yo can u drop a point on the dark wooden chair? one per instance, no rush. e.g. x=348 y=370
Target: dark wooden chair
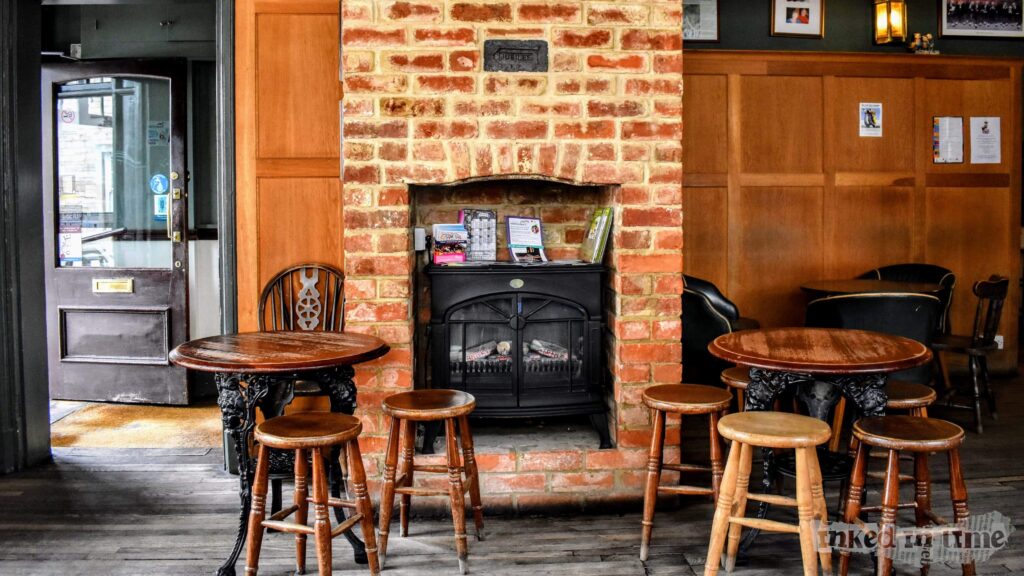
x=977 y=346
x=307 y=297
x=920 y=436
x=453 y=408
x=311 y=436
x=684 y=400
x=927 y=273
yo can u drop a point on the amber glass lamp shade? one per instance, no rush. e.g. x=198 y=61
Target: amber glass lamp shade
x=890 y=21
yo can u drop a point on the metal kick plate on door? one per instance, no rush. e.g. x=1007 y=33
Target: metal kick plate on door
x=113 y=285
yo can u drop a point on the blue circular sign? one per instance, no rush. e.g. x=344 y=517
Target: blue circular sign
x=159 y=184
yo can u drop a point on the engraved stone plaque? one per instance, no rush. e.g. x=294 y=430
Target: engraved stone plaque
x=516 y=56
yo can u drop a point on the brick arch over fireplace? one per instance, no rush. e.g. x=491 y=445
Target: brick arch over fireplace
x=419 y=109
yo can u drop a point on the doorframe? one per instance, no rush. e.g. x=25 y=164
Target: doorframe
x=226 y=164
x=24 y=384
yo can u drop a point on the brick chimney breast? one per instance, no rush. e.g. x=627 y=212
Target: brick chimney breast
x=420 y=109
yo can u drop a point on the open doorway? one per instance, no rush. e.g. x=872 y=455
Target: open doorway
x=130 y=187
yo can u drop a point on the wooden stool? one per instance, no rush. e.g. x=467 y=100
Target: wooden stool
x=684 y=399
x=313 y=435
x=406 y=409
x=737 y=378
x=769 y=430
x=913 y=434
x=900 y=395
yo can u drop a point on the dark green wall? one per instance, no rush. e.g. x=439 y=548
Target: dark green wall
x=746 y=25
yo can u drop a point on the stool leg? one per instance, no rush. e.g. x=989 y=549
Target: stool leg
x=322 y=519
x=257 y=511
x=653 y=480
x=739 y=505
x=837 y=424
x=720 y=525
x=852 y=502
x=363 y=504
x=820 y=512
x=740 y=402
x=958 y=493
x=922 y=489
x=387 y=491
x=887 y=523
x=456 y=493
x=972 y=366
x=716 y=455
x=472 y=475
x=989 y=395
x=805 y=458
x=302 y=508
x=408 y=452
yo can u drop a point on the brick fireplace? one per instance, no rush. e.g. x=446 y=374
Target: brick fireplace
x=421 y=113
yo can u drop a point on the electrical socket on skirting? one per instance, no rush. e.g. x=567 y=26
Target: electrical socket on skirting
x=999 y=341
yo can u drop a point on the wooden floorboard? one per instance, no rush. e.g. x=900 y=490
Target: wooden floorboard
x=173 y=512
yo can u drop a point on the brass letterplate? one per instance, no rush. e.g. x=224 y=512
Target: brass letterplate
x=113 y=285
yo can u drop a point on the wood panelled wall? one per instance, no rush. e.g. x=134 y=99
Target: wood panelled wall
x=780 y=189
x=288 y=141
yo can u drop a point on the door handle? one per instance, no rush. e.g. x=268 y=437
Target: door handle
x=172 y=234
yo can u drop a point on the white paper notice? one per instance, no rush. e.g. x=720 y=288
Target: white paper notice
x=986 y=142
x=947 y=140
x=870 y=119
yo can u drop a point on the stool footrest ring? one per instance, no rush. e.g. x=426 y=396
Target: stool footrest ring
x=763 y=524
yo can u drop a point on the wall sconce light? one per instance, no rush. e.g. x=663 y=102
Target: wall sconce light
x=890 y=21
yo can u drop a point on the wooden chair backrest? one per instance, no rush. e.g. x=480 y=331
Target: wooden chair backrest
x=991 y=294
x=307 y=297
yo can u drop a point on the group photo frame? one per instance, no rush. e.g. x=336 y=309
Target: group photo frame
x=798 y=18
x=981 y=18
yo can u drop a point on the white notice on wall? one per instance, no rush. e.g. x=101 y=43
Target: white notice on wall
x=986 y=140
x=871 y=119
x=947 y=140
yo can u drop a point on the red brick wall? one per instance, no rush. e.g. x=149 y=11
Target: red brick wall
x=419 y=109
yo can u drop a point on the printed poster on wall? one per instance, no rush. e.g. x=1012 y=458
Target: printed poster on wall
x=986 y=140
x=947 y=140
x=870 y=119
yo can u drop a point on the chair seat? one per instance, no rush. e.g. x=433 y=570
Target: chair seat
x=736 y=377
x=308 y=430
x=774 y=429
x=911 y=433
x=428 y=405
x=961 y=345
x=903 y=395
x=687 y=398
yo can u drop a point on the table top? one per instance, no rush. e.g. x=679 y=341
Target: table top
x=868 y=285
x=820 y=350
x=276 y=352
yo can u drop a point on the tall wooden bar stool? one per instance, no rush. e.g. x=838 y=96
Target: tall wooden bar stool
x=737 y=378
x=685 y=400
x=920 y=436
x=312 y=435
x=406 y=409
x=769 y=430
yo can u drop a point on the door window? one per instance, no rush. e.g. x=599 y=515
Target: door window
x=113 y=175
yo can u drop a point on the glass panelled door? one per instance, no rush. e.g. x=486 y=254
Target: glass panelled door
x=116 y=189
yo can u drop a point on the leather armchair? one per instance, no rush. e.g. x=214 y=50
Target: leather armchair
x=917 y=272
x=707 y=314
x=913 y=316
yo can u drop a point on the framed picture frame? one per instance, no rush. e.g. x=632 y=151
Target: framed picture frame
x=973 y=19
x=798 y=18
x=700 y=21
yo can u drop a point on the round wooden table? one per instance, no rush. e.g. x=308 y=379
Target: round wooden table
x=259 y=369
x=823 y=288
x=822 y=364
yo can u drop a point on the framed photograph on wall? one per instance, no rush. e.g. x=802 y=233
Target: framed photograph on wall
x=971 y=18
x=799 y=18
x=700 y=20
